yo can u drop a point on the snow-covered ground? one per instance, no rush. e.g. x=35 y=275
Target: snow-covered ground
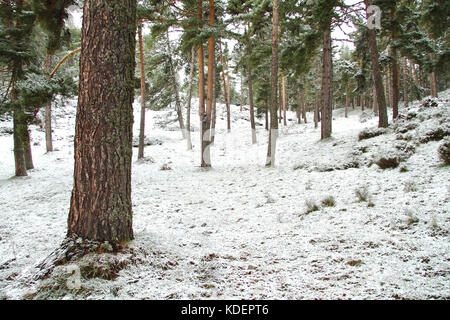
x=240 y=230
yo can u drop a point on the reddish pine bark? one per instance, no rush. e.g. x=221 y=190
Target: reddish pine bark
x=100 y=207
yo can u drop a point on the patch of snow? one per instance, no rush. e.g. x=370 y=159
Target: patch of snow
x=239 y=230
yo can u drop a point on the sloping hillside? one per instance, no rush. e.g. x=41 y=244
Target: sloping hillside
x=326 y=223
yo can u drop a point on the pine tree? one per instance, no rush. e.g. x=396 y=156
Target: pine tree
x=381 y=100
x=252 y=15
x=51 y=16
x=325 y=13
x=273 y=133
x=16 y=52
x=29 y=87
x=143 y=109
x=174 y=83
x=189 y=99
x=100 y=207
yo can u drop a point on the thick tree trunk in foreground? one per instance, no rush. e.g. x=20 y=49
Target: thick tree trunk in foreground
x=100 y=207
x=327 y=83
x=381 y=100
x=142 y=123
x=273 y=133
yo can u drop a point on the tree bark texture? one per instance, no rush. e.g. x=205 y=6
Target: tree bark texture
x=100 y=207
x=327 y=85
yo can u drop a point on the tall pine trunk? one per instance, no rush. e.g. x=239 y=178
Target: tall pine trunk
x=100 y=207
x=225 y=90
x=19 y=116
x=280 y=94
x=433 y=84
x=206 y=142
x=250 y=90
x=327 y=83
x=228 y=99
x=381 y=100
x=142 y=121
x=214 y=104
x=273 y=133
x=201 y=93
x=316 y=109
